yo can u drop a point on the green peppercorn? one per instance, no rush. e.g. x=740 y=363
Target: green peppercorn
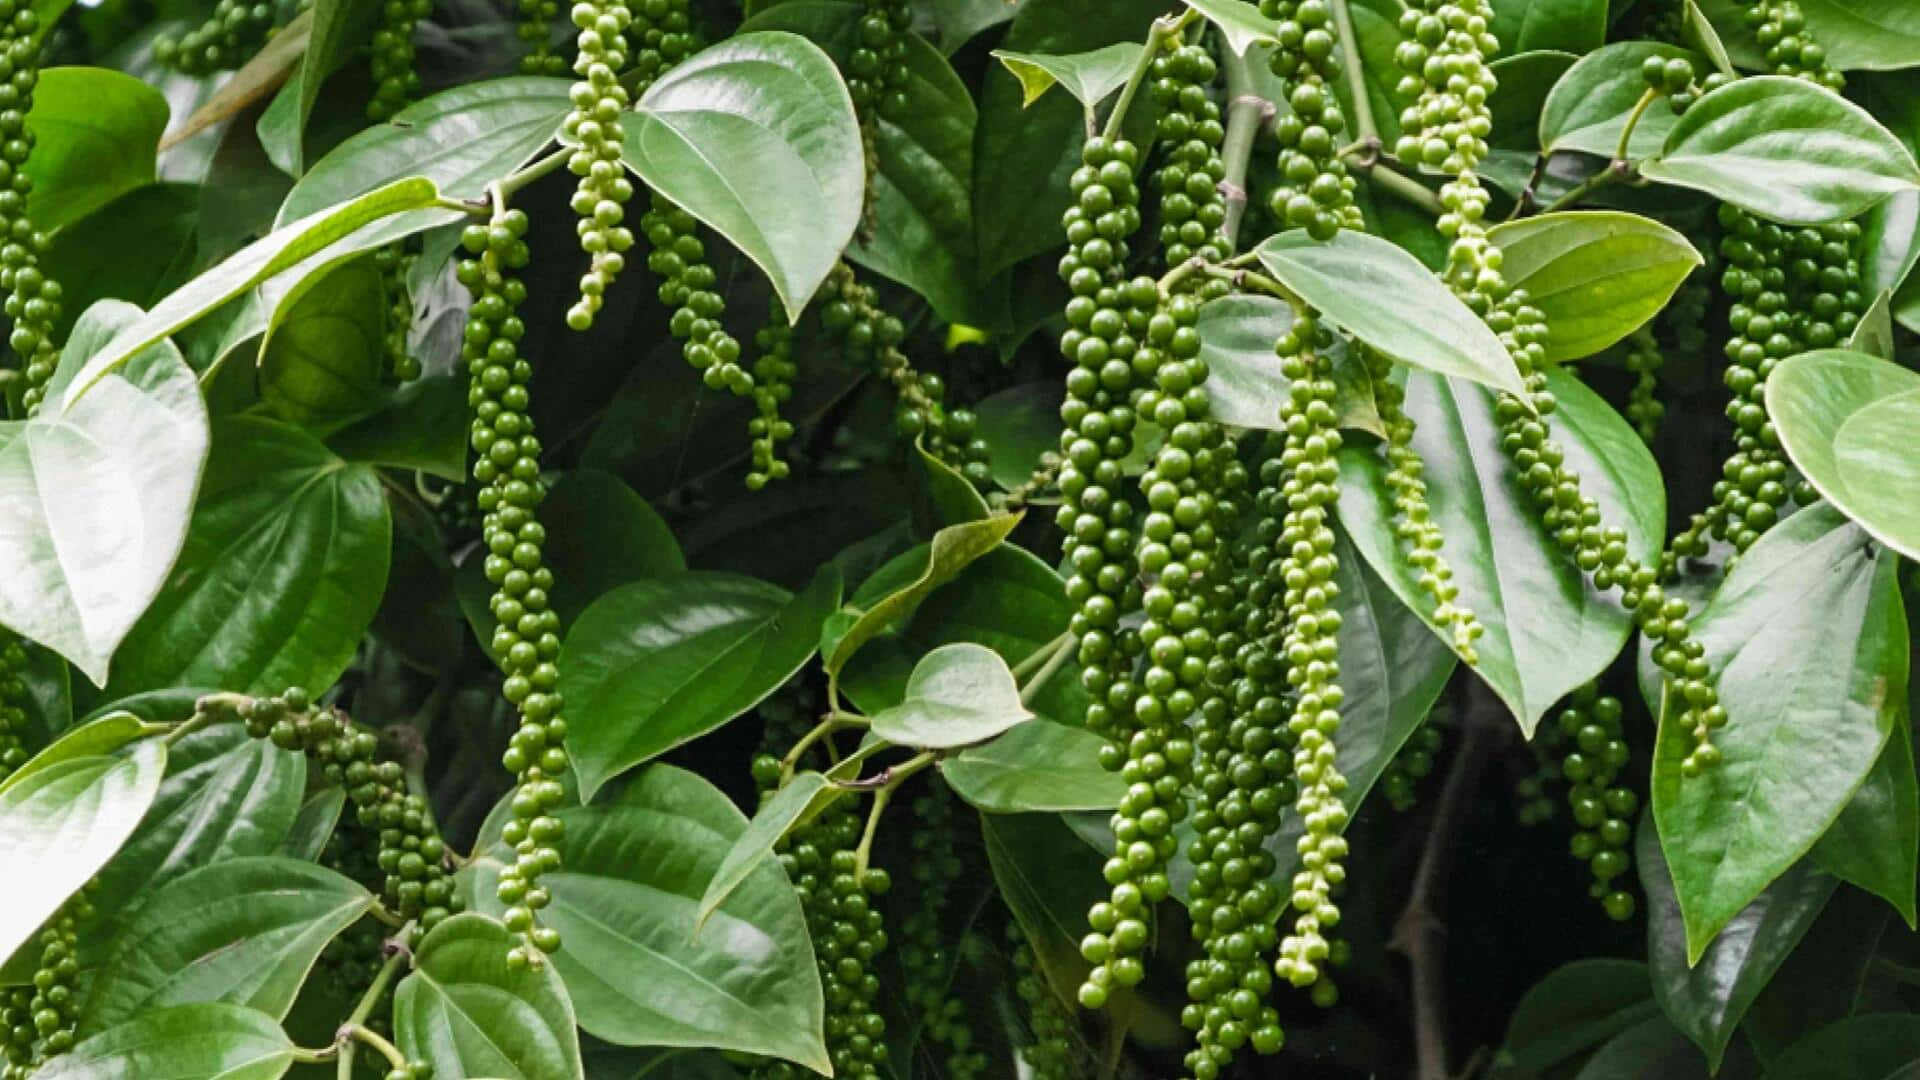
x=1051 y=1050
x=593 y=127
x=773 y=373
x=662 y=36
x=229 y=38
x=1602 y=807
x=394 y=263
x=1410 y=765
x=13 y=701
x=395 y=82
x=1644 y=361
x=535 y=30
x=33 y=298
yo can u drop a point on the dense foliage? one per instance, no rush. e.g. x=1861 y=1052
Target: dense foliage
x=1120 y=439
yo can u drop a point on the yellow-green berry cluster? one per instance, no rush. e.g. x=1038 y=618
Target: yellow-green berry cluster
x=1443 y=53
x=679 y=259
x=1192 y=206
x=1050 y=1050
x=535 y=30
x=1780 y=29
x=593 y=127
x=1644 y=361
x=1314 y=191
x=228 y=39
x=13 y=701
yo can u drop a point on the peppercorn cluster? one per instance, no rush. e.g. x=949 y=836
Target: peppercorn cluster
x=593 y=128
x=395 y=82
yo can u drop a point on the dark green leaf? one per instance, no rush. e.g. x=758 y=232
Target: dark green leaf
x=105 y=484
x=951 y=550
x=186 y=1042
x=801 y=798
x=1571 y=1012
x=1038 y=766
x=601 y=535
x=244 y=931
x=1877 y=35
x=626 y=905
x=465 y=1012
x=1383 y=296
x=313 y=825
x=325 y=351
x=662 y=661
x=1651 y=1050
x=95 y=135
x=1517 y=102
x=1845 y=419
x=1808 y=643
x=1244 y=383
x=1547 y=630
x=1573 y=25
x=281 y=574
x=1020 y=424
x=1786 y=150
x=1825 y=978
x=1588 y=108
x=1089 y=76
x=1874 y=1045
x=136 y=248
x=1598 y=275
x=339 y=28
x=423 y=426
x=958 y=695
x=1875 y=842
x=756 y=137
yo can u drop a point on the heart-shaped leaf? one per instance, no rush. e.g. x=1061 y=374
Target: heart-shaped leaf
x=244 y=931
x=661 y=661
x=1588 y=107
x=1574 y=25
x=465 y=1012
x=184 y=1042
x=1786 y=150
x=1845 y=419
x=96 y=132
x=1378 y=293
x=958 y=695
x=1547 y=630
x=1042 y=766
x=1088 y=76
x=97 y=495
x=757 y=138
x=625 y=904
x=1808 y=643
x=1597 y=275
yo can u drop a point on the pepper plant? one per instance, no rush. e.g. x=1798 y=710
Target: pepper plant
x=1119 y=440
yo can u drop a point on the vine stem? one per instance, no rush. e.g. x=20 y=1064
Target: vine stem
x=374 y=1039
x=1165 y=28
x=1363 y=124
x=832 y=722
x=1647 y=98
x=1616 y=172
x=1247 y=113
x=1054 y=662
x=364 y=1007
x=1418 y=934
x=890 y=780
x=534 y=170
x=1040 y=657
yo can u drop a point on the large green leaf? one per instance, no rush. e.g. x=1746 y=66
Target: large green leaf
x=1571 y=1012
x=465 y=1012
x=1877 y=35
x=284 y=248
x=1875 y=842
x=1091 y=77
x=1547 y=630
x=1786 y=150
x=64 y=820
x=281 y=575
x=1380 y=294
x=96 y=133
x=1597 y=275
x=958 y=695
x=1846 y=419
x=1587 y=109
x=97 y=495
x=205 y=1041
x=1038 y=766
x=661 y=661
x=757 y=138
x=323 y=356
x=1706 y=994
x=136 y=248
x=1244 y=383
x=951 y=550
x=625 y=904
x=1573 y=25
x=244 y=931
x=1808 y=643
x=1525 y=80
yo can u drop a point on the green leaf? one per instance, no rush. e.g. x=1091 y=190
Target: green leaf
x=206 y=1041
x=1876 y=1044
x=1598 y=275
x=1824 y=979
x=958 y=695
x=1038 y=766
x=1244 y=383
x=662 y=661
x=279 y=250
x=1875 y=842
x=1873 y=335
x=1525 y=81
x=1571 y=1012
x=465 y=1012
x=1706 y=994
x=424 y=427
x=1089 y=76
x=340 y=27
x=1891 y=235
x=1588 y=108
x=224 y=795
x=1872 y=35
x=1651 y=1050
x=1386 y=298
x=96 y=133
x=951 y=550
x=1808 y=644
x=313 y=825
x=1576 y=26
x=64 y=820
x=600 y=536
x=98 y=494
x=801 y=799
x=244 y=931
x=1547 y=630
x=757 y=138
x=1845 y=419
x=625 y=903
x=324 y=354
x=282 y=571
x=1698 y=32
x=1786 y=150
x=1242 y=26
x=136 y=248
x=94 y=737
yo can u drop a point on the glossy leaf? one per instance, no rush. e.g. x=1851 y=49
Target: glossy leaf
x=1547 y=630
x=662 y=661
x=423 y=426
x=1525 y=80
x=1090 y=76
x=323 y=357
x=1808 y=644
x=1242 y=26
x=465 y=1012
x=1844 y=419
x=756 y=137
x=281 y=574
x=186 y=1042
x=96 y=132
x=94 y=736
x=1786 y=150
x=1597 y=275
x=798 y=800
x=1588 y=107
x=1698 y=32
x=1573 y=25
x=282 y=249
x=1041 y=766
x=1383 y=296
x=958 y=695
x=97 y=495
x=951 y=550
x=244 y=931
x=1875 y=842
x=600 y=535
x=339 y=26
x=1706 y=994
x=625 y=904
x=65 y=820
x=1244 y=383
x=137 y=248
x=1875 y=35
